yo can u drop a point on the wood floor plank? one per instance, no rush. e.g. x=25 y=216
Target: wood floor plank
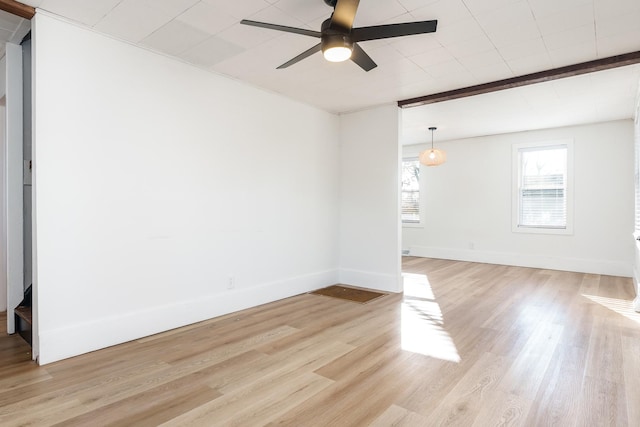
x=97 y=392
x=603 y=403
x=29 y=376
x=377 y=352
x=463 y=403
x=399 y=417
x=425 y=396
x=467 y=344
x=345 y=398
x=307 y=356
x=556 y=403
x=604 y=360
x=528 y=369
x=258 y=398
x=149 y=408
x=503 y=409
x=631 y=368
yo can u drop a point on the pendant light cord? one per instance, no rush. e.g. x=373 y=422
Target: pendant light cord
x=432 y=129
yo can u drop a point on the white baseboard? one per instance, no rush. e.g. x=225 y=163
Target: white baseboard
x=606 y=267
x=84 y=337
x=367 y=279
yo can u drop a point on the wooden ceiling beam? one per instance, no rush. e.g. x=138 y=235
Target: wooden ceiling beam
x=17 y=8
x=528 y=79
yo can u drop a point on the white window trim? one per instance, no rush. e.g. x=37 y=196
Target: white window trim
x=420 y=223
x=515 y=164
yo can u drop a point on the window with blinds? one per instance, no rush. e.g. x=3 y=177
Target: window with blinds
x=411 y=191
x=542 y=188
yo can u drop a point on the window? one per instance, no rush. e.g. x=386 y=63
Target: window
x=542 y=178
x=410 y=191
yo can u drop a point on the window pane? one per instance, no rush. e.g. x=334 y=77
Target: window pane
x=411 y=191
x=542 y=192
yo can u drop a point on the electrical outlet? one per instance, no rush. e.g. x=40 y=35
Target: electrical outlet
x=231 y=283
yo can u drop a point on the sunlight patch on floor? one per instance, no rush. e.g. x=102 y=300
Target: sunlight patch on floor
x=620 y=306
x=422 y=322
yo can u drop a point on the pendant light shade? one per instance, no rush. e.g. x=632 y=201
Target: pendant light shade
x=433 y=156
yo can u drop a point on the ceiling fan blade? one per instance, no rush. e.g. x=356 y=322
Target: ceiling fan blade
x=284 y=28
x=344 y=14
x=305 y=54
x=361 y=58
x=393 y=30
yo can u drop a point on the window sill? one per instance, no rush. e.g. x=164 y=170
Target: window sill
x=541 y=230
x=412 y=225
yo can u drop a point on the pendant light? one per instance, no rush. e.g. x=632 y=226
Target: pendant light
x=433 y=157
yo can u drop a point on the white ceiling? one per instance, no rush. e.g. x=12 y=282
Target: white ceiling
x=477 y=41
x=589 y=98
x=12 y=29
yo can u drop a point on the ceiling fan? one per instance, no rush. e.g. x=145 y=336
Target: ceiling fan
x=339 y=40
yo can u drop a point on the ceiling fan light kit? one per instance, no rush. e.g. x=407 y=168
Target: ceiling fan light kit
x=433 y=156
x=336 y=48
x=338 y=38
x=337 y=53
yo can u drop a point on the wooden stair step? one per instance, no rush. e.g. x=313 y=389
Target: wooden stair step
x=24 y=313
x=24 y=321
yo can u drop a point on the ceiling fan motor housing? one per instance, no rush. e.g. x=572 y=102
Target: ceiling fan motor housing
x=335 y=36
x=336 y=40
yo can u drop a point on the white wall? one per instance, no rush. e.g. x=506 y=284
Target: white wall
x=27 y=137
x=467 y=203
x=13 y=175
x=636 y=259
x=156 y=181
x=3 y=156
x=369 y=199
x=3 y=238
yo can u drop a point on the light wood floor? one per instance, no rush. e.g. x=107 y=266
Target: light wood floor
x=469 y=344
